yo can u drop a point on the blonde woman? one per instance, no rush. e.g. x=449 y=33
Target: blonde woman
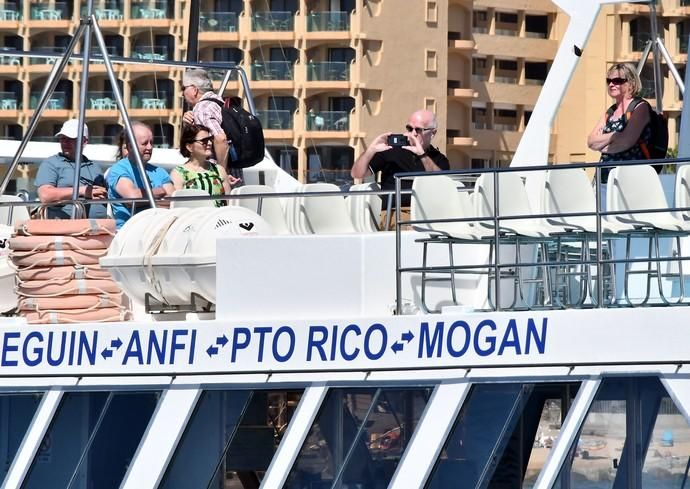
x=623 y=131
x=198 y=172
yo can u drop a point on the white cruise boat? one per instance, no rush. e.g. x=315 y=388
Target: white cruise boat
x=517 y=337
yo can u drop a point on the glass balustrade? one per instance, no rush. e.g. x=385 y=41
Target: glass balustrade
x=49 y=11
x=275 y=119
x=218 y=22
x=101 y=101
x=272 y=70
x=9 y=101
x=57 y=101
x=328 y=71
x=270 y=20
x=149 y=99
x=337 y=120
x=150 y=53
x=150 y=10
x=328 y=21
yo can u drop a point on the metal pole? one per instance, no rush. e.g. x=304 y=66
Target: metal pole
x=83 y=88
x=398 y=244
x=193 y=39
x=51 y=83
x=123 y=111
x=655 y=50
x=671 y=66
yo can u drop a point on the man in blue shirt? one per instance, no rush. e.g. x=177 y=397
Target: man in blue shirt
x=125 y=181
x=55 y=177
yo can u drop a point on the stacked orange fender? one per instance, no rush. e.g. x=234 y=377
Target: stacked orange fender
x=58 y=276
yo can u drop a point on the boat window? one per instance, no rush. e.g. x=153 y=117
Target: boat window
x=91 y=440
x=16 y=413
x=230 y=439
x=358 y=438
x=634 y=436
x=503 y=435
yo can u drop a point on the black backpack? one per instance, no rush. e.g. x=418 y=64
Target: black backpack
x=658 y=141
x=245 y=131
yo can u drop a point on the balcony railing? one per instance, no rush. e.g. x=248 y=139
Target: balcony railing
x=9 y=101
x=275 y=119
x=10 y=60
x=337 y=120
x=101 y=101
x=328 y=21
x=46 y=50
x=149 y=99
x=103 y=11
x=269 y=20
x=150 y=10
x=272 y=70
x=10 y=11
x=57 y=101
x=151 y=53
x=639 y=40
x=218 y=22
x=683 y=44
x=44 y=11
x=328 y=71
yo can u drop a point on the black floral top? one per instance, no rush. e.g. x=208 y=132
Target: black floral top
x=632 y=153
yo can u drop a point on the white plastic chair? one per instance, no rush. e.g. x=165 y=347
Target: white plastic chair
x=11 y=214
x=637 y=187
x=436 y=197
x=270 y=208
x=326 y=214
x=365 y=210
x=191 y=192
x=683 y=191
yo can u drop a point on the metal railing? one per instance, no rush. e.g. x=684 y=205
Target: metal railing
x=328 y=71
x=272 y=70
x=218 y=22
x=337 y=120
x=328 y=21
x=275 y=119
x=270 y=20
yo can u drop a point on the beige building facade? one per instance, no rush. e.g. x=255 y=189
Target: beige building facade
x=328 y=76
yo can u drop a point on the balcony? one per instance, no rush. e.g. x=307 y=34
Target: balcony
x=272 y=70
x=150 y=100
x=150 y=53
x=149 y=10
x=10 y=60
x=101 y=101
x=328 y=71
x=218 y=22
x=639 y=40
x=10 y=12
x=57 y=101
x=47 y=50
x=58 y=11
x=9 y=101
x=104 y=11
x=273 y=21
x=279 y=120
x=328 y=21
x=337 y=120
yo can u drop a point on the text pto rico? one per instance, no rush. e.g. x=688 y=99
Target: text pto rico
x=314 y=343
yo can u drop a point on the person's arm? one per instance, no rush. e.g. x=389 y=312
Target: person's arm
x=597 y=140
x=361 y=166
x=227 y=182
x=178 y=181
x=221 y=149
x=630 y=135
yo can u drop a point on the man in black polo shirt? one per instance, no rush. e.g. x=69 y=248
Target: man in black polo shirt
x=419 y=156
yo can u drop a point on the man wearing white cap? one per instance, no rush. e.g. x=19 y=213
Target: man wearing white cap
x=55 y=177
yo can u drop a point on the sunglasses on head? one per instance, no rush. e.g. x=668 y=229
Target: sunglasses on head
x=616 y=81
x=417 y=130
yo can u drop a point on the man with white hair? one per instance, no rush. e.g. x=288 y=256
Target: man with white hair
x=55 y=177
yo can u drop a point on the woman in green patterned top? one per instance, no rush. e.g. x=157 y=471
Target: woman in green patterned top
x=198 y=172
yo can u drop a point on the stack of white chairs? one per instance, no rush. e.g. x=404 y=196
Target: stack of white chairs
x=365 y=210
x=635 y=193
x=269 y=208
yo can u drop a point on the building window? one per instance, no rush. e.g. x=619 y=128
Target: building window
x=430 y=60
x=480 y=22
x=506 y=18
x=431 y=11
x=479 y=118
x=430 y=104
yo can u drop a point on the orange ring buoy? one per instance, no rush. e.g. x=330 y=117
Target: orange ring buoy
x=56 y=258
x=39 y=288
x=63 y=273
x=79 y=316
x=66 y=227
x=44 y=243
x=69 y=302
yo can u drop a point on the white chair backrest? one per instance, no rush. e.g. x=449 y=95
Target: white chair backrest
x=271 y=208
x=633 y=187
x=326 y=214
x=365 y=210
x=512 y=198
x=437 y=197
x=682 y=198
x=10 y=215
x=569 y=191
x=191 y=192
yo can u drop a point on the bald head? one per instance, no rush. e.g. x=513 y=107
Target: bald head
x=423 y=118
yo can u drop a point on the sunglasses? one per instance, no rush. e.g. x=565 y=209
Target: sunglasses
x=417 y=130
x=616 y=81
x=204 y=141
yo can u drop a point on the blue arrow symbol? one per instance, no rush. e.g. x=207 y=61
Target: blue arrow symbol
x=222 y=340
x=106 y=353
x=116 y=343
x=407 y=337
x=212 y=350
x=397 y=346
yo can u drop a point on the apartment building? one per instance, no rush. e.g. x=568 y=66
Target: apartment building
x=327 y=76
